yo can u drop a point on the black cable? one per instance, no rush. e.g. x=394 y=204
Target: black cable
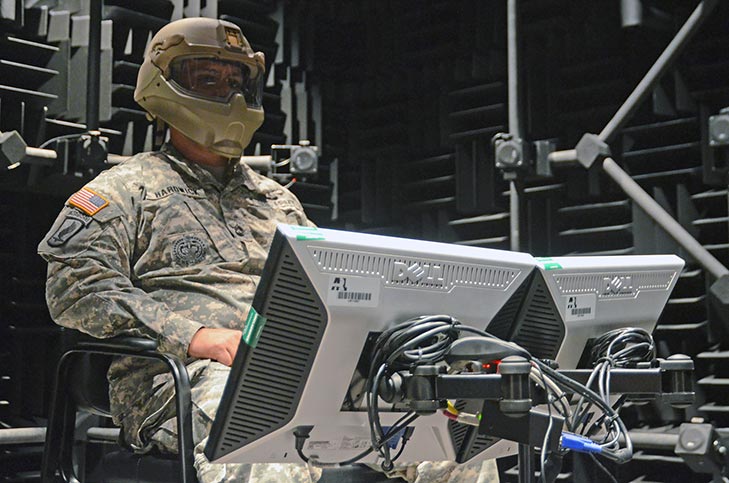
x=425 y=340
x=603 y=468
x=545 y=441
x=400 y=425
x=625 y=347
x=596 y=425
x=405 y=438
x=618 y=455
x=421 y=340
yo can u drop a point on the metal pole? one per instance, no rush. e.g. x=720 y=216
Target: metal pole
x=515 y=234
x=22 y=436
x=652 y=440
x=568 y=156
x=666 y=59
x=666 y=221
x=526 y=471
x=94 y=66
x=512 y=20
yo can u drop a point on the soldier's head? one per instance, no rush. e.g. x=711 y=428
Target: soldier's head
x=201 y=77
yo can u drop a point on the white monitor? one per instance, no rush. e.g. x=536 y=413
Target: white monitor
x=326 y=294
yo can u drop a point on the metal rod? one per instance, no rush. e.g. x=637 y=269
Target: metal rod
x=653 y=440
x=183 y=405
x=664 y=61
x=512 y=24
x=94 y=66
x=512 y=20
x=22 y=435
x=563 y=157
x=262 y=162
x=515 y=233
x=526 y=472
x=40 y=153
x=666 y=221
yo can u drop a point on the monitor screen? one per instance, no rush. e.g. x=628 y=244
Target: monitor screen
x=325 y=295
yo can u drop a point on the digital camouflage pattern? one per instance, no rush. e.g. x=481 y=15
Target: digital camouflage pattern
x=175 y=250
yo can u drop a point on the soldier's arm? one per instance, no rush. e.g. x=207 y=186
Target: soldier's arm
x=89 y=286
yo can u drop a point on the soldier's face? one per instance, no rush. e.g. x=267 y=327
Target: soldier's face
x=211 y=78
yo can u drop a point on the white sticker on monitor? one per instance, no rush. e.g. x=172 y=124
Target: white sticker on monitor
x=580 y=307
x=318 y=445
x=355 y=442
x=346 y=290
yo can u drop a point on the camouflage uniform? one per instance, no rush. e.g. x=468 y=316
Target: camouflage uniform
x=160 y=250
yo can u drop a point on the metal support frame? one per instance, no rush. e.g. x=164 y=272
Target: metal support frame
x=664 y=219
x=702 y=447
x=94 y=63
x=661 y=65
x=626 y=110
x=515 y=125
x=508 y=403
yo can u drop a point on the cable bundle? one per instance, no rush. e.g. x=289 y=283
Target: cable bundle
x=620 y=348
x=426 y=340
x=418 y=341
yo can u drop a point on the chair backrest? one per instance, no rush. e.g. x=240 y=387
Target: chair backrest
x=88 y=384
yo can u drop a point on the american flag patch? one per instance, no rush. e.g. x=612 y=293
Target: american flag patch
x=88 y=201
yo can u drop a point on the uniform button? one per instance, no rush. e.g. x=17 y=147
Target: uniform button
x=239 y=231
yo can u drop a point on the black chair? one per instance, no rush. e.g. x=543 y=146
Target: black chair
x=81 y=385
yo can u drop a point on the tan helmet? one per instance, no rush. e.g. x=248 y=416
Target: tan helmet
x=201 y=76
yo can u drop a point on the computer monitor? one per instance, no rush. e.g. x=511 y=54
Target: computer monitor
x=325 y=295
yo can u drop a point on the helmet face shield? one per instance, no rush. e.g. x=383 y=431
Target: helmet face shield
x=217 y=80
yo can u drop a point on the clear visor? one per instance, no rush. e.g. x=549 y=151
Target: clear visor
x=217 y=80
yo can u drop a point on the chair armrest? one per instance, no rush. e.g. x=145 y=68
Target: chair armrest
x=124 y=344
x=120 y=346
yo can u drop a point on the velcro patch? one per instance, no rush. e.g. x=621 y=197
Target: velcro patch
x=72 y=224
x=88 y=201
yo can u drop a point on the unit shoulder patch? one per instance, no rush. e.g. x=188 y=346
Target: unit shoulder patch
x=88 y=201
x=71 y=224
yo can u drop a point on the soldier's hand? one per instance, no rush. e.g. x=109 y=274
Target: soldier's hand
x=217 y=344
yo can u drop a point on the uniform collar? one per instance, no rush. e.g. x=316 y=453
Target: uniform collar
x=239 y=173
x=189 y=167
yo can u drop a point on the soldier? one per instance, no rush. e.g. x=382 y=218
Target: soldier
x=170 y=244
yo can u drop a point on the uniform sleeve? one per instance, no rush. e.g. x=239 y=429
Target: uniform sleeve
x=299 y=214
x=89 y=286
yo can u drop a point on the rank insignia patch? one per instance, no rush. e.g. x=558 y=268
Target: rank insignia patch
x=88 y=201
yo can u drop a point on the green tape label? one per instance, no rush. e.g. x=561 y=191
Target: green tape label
x=309 y=237
x=549 y=264
x=253 y=328
x=307 y=232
